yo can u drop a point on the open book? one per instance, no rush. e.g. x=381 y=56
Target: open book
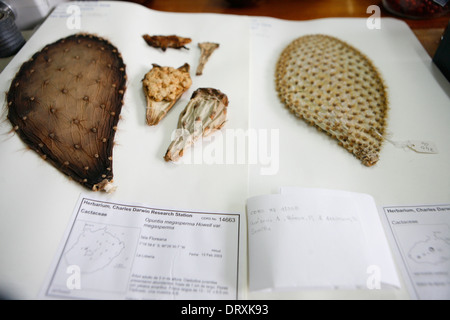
x=261 y=148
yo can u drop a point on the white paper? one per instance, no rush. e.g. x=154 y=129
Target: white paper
x=126 y=251
x=418 y=109
x=421 y=236
x=140 y=172
x=37 y=200
x=315 y=238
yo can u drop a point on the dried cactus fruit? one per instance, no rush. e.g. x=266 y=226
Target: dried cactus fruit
x=336 y=88
x=163 y=86
x=205 y=113
x=165 y=42
x=207 y=48
x=65 y=103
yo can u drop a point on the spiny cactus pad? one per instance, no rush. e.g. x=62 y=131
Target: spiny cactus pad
x=334 y=87
x=65 y=103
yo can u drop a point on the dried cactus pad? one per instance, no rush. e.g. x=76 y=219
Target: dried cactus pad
x=205 y=113
x=207 y=49
x=163 y=87
x=165 y=42
x=65 y=103
x=334 y=87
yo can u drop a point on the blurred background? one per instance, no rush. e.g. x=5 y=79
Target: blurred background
x=427 y=18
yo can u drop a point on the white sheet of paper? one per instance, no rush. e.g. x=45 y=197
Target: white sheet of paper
x=117 y=250
x=418 y=94
x=243 y=68
x=315 y=238
x=140 y=172
x=421 y=236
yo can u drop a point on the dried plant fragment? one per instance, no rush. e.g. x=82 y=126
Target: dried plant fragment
x=65 y=103
x=165 y=42
x=163 y=86
x=207 y=48
x=334 y=87
x=205 y=113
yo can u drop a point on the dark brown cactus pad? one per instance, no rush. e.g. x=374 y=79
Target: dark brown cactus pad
x=165 y=42
x=65 y=104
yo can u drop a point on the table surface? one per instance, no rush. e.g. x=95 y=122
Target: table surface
x=428 y=31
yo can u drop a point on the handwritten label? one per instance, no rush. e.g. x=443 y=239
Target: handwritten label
x=260 y=28
x=316 y=238
x=423 y=146
x=419 y=146
x=263 y=219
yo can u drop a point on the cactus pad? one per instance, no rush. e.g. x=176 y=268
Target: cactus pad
x=334 y=87
x=163 y=87
x=205 y=113
x=65 y=103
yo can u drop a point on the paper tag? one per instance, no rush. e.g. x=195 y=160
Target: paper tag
x=422 y=146
x=418 y=146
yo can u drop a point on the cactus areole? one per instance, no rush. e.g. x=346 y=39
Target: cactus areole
x=65 y=103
